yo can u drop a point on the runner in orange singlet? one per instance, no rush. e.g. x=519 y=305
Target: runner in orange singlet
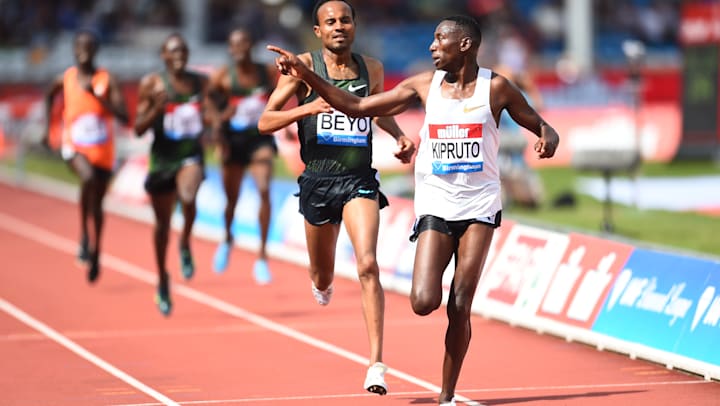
x=92 y=97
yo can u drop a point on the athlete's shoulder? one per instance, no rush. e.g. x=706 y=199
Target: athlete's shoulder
x=497 y=73
x=220 y=77
x=70 y=72
x=418 y=84
x=149 y=77
x=424 y=77
x=499 y=81
x=151 y=80
x=221 y=71
x=197 y=74
x=104 y=74
x=306 y=58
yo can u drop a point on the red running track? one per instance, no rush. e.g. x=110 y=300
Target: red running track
x=231 y=342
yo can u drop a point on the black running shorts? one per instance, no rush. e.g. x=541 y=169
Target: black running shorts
x=242 y=148
x=322 y=197
x=454 y=228
x=98 y=172
x=161 y=181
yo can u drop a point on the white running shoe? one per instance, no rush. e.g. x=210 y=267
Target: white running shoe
x=451 y=402
x=322 y=296
x=375 y=379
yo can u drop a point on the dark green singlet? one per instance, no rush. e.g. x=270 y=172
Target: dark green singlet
x=169 y=152
x=237 y=91
x=351 y=150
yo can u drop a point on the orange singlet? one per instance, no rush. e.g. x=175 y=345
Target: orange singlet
x=87 y=124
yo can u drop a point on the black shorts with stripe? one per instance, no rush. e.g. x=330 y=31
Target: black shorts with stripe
x=455 y=228
x=322 y=197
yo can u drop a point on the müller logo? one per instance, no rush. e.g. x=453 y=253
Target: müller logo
x=455 y=131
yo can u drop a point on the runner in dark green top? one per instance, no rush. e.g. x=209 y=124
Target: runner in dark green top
x=239 y=91
x=339 y=184
x=171 y=104
x=332 y=143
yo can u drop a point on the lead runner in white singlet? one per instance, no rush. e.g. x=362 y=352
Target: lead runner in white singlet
x=456 y=173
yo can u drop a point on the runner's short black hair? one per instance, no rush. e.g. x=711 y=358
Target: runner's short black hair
x=321 y=2
x=90 y=33
x=175 y=34
x=469 y=25
x=245 y=29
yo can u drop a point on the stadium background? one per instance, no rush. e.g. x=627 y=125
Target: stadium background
x=35 y=36
x=573 y=49
x=596 y=87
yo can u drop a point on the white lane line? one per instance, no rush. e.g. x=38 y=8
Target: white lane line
x=418 y=393
x=225 y=328
x=274 y=400
x=52 y=240
x=589 y=386
x=13 y=311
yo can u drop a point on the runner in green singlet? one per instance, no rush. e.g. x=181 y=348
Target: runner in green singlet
x=339 y=184
x=171 y=104
x=239 y=91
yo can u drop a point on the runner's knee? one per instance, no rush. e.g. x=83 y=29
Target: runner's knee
x=162 y=230
x=187 y=193
x=367 y=267
x=264 y=194
x=424 y=303
x=460 y=304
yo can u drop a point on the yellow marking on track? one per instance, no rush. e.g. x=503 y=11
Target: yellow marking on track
x=658 y=372
x=116 y=391
x=641 y=368
x=186 y=390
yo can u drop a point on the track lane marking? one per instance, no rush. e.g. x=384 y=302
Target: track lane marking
x=420 y=393
x=170 y=331
x=60 y=243
x=80 y=351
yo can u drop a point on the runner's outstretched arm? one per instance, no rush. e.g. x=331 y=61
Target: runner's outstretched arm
x=387 y=103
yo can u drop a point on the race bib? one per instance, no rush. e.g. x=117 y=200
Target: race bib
x=88 y=129
x=247 y=111
x=182 y=120
x=456 y=148
x=337 y=128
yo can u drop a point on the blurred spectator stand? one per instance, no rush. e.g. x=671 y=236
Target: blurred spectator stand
x=701 y=82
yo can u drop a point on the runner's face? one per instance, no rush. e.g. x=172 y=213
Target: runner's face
x=336 y=27
x=175 y=54
x=84 y=49
x=445 y=48
x=239 y=46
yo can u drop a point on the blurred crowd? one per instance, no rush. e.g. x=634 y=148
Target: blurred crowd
x=37 y=23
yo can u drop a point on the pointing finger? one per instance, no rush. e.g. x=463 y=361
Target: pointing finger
x=277 y=50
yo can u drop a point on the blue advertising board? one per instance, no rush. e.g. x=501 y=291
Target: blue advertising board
x=667 y=302
x=211 y=205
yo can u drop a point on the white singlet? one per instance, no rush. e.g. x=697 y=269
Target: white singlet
x=456 y=172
